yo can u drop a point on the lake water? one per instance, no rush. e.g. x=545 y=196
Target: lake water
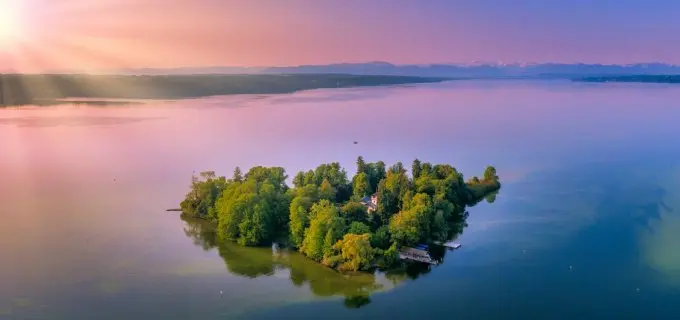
x=587 y=224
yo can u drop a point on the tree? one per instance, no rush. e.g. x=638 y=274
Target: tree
x=256 y=225
x=326 y=191
x=397 y=168
x=381 y=238
x=387 y=203
x=205 y=190
x=299 y=180
x=425 y=184
x=391 y=191
x=299 y=219
x=332 y=172
x=324 y=230
x=361 y=165
x=357 y=227
x=375 y=173
x=356 y=251
x=361 y=186
x=253 y=211
x=354 y=211
x=425 y=169
x=416 y=169
x=411 y=226
x=491 y=198
x=309 y=177
x=207 y=175
x=380 y=172
x=232 y=208
x=238 y=176
x=439 y=227
x=490 y=174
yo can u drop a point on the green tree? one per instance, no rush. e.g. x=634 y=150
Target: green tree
x=332 y=172
x=238 y=175
x=309 y=177
x=357 y=227
x=490 y=174
x=299 y=180
x=356 y=251
x=254 y=211
x=361 y=165
x=299 y=219
x=323 y=229
x=411 y=226
x=232 y=208
x=416 y=169
x=362 y=186
x=375 y=172
x=205 y=190
x=326 y=190
x=439 y=227
x=354 y=211
x=425 y=169
x=391 y=191
x=381 y=238
x=387 y=203
x=256 y=225
x=397 y=168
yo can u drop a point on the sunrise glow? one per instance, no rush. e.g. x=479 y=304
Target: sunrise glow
x=12 y=15
x=45 y=35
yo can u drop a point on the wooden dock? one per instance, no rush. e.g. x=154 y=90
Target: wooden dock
x=449 y=244
x=408 y=253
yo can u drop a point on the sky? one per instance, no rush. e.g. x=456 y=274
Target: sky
x=105 y=34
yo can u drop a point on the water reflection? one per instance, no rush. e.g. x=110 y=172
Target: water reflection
x=356 y=288
x=660 y=237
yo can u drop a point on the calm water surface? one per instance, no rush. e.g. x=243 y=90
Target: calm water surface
x=587 y=223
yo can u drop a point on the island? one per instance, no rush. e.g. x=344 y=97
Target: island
x=645 y=78
x=50 y=89
x=360 y=224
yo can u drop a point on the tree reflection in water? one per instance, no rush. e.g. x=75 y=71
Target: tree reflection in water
x=253 y=262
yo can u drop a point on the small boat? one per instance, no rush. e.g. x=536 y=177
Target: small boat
x=452 y=245
x=449 y=244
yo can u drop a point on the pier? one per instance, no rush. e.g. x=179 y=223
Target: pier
x=408 y=253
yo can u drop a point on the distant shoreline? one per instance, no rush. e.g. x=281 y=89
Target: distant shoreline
x=42 y=90
x=632 y=79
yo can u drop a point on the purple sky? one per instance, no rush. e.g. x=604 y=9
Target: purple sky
x=161 y=33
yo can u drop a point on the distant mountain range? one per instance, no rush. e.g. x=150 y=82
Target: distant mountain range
x=477 y=70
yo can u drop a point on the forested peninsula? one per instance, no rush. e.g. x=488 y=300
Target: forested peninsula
x=47 y=89
x=349 y=225
x=643 y=78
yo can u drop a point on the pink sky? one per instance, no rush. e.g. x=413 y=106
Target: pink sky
x=96 y=34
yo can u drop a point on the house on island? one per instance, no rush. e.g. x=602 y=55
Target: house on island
x=370 y=202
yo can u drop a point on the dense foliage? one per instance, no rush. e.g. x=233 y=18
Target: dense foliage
x=323 y=215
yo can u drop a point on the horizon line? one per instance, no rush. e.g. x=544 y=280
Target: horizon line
x=470 y=64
